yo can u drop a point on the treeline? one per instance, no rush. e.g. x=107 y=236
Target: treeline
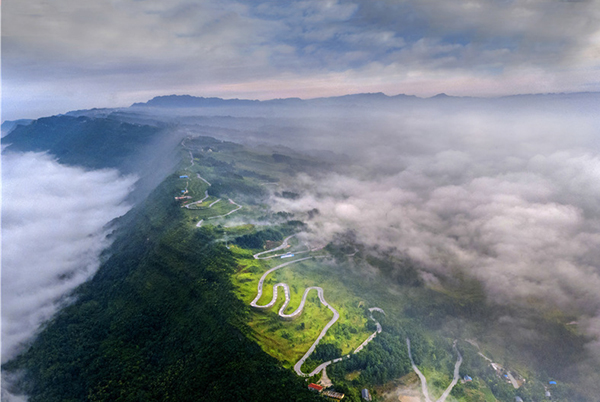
x=159 y=322
x=257 y=240
x=325 y=352
x=383 y=360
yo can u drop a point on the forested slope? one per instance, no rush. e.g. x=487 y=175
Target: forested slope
x=158 y=322
x=94 y=143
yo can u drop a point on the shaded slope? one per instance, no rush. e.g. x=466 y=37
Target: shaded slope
x=83 y=141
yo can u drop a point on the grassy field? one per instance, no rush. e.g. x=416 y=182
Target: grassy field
x=205 y=204
x=289 y=340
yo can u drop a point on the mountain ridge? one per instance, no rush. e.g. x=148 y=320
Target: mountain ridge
x=186 y=100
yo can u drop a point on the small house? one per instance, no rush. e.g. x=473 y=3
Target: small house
x=365 y=394
x=184 y=176
x=552 y=382
x=518 y=399
x=315 y=387
x=467 y=378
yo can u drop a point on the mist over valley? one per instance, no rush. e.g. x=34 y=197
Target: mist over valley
x=309 y=200
x=492 y=209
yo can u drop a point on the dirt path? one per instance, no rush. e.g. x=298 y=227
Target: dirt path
x=281 y=247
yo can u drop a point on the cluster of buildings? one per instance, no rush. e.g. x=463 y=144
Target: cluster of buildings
x=329 y=393
x=511 y=380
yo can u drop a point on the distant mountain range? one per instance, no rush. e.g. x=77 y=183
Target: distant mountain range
x=177 y=101
x=580 y=101
x=188 y=101
x=588 y=101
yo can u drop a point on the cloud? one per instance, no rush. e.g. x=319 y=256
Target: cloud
x=53 y=230
x=74 y=54
x=507 y=199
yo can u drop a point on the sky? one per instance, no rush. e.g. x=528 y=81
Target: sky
x=60 y=55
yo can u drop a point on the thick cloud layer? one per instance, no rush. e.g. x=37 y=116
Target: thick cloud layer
x=53 y=230
x=509 y=200
x=69 y=54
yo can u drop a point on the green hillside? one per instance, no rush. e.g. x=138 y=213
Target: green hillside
x=167 y=315
x=93 y=143
x=158 y=322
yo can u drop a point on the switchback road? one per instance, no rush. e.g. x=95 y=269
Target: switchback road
x=298 y=311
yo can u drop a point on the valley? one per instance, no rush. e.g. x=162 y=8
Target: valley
x=303 y=201
x=314 y=306
x=340 y=313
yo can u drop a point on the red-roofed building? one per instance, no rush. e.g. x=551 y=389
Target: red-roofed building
x=315 y=387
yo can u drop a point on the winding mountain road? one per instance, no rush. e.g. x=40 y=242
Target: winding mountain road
x=199 y=224
x=203 y=179
x=281 y=247
x=228 y=213
x=320 y=293
x=298 y=311
x=424 y=380
x=198 y=202
x=374 y=334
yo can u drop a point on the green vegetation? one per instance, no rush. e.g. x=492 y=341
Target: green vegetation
x=257 y=240
x=431 y=316
x=167 y=316
x=295 y=337
x=218 y=208
x=158 y=322
x=204 y=204
x=90 y=142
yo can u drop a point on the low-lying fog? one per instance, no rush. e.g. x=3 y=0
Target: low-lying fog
x=508 y=197
x=53 y=230
x=504 y=190
x=507 y=194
